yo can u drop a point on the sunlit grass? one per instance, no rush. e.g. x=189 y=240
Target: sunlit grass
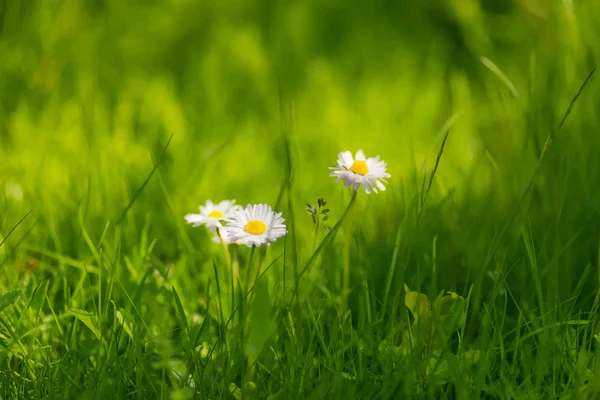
x=478 y=280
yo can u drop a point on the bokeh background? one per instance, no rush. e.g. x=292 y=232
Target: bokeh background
x=91 y=91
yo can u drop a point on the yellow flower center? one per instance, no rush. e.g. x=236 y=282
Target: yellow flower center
x=215 y=214
x=255 y=227
x=359 y=167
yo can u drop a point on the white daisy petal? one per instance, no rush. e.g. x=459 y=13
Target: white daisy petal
x=360 y=155
x=256 y=225
x=367 y=186
x=196 y=219
x=345 y=159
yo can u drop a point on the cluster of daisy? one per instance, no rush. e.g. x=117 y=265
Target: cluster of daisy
x=255 y=225
x=258 y=224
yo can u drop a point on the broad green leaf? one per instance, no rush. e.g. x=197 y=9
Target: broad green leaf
x=443 y=303
x=422 y=327
x=182 y=394
x=235 y=391
x=389 y=353
x=455 y=366
x=249 y=391
x=450 y=312
x=408 y=343
x=86 y=318
x=417 y=303
x=471 y=357
x=262 y=325
x=277 y=396
x=437 y=371
x=178 y=367
x=9 y=298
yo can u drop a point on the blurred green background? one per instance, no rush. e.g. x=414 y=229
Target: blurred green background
x=90 y=92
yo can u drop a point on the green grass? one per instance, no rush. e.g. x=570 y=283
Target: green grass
x=475 y=275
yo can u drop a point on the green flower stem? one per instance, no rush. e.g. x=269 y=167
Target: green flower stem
x=328 y=238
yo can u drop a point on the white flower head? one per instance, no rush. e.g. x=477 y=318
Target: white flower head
x=370 y=172
x=220 y=235
x=256 y=225
x=212 y=215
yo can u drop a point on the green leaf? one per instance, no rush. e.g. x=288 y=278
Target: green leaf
x=437 y=371
x=86 y=318
x=420 y=308
x=125 y=323
x=500 y=75
x=450 y=312
x=182 y=394
x=262 y=325
x=389 y=354
x=417 y=303
x=235 y=391
x=471 y=357
x=9 y=298
x=36 y=299
x=249 y=391
x=277 y=396
x=408 y=343
x=455 y=366
x=180 y=312
x=39 y=296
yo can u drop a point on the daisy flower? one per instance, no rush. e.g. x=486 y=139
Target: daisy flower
x=370 y=172
x=212 y=214
x=256 y=225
